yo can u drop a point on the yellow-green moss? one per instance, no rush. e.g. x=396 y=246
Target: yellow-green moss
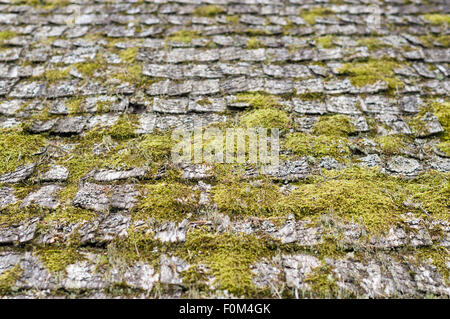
x=325 y=42
x=368 y=197
x=8 y=279
x=156 y=146
x=255 y=43
x=310 y=15
x=430 y=192
x=438 y=19
x=56 y=75
x=439 y=257
x=45 y=4
x=375 y=204
x=244 y=198
x=88 y=69
x=372 y=43
x=16 y=215
x=209 y=11
x=74 y=105
x=232 y=19
x=335 y=125
x=135 y=247
x=429 y=40
x=391 y=144
x=258 y=100
x=317 y=146
x=254 y=32
x=129 y=55
x=57 y=259
x=69 y=214
x=18 y=148
x=7 y=34
x=185 y=36
x=372 y=71
x=166 y=201
x=322 y=282
x=228 y=256
x=265 y=118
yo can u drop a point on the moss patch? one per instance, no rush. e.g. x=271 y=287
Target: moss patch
x=438 y=19
x=228 y=257
x=318 y=146
x=209 y=11
x=391 y=144
x=166 y=201
x=56 y=260
x=265 y=118
x=335 y=125
x=255 y=43
x=17 y=148
x=372 y=71
x=258 y=100
x=325 y=42
x=244 y=198
x=185 y=36
x=310 y=15
x=8 y=278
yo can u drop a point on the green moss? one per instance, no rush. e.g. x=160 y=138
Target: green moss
x=156 y=146
x=74 y=105
x=124 y=128
x=137 y=246
x=228 y=256
x=439 y=257
x=119 y=144
x=438 y=19
x=372 y=43
x=253 y=32
x=56 y=75
x=69 y=214
x=45 y=4
x=166 y=201
x=317 y=146
x=209 y=11
x=445 y=147
x=372 y=71
x=133 y=74
x=185 y=36
x=232 y=19
x=368 y=197
x=391 y=144
x=375 y=204
x=88 y=69
x=57 y=259
x=15 y=215
x=18 y=148
x=325 y=42
x=244 y=198
x=335 y=125
x=129 y=55
x=8 y=279
x=322 y=282
x=266 y=118
x=430 y=40
x=258 y=100
x=310 y=15
x=6 y=35
x=255 y=43
x=430 y=192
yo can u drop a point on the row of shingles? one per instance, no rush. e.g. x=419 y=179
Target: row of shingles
x=292 y=265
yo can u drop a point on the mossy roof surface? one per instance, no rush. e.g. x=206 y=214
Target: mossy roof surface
x=91 y=203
